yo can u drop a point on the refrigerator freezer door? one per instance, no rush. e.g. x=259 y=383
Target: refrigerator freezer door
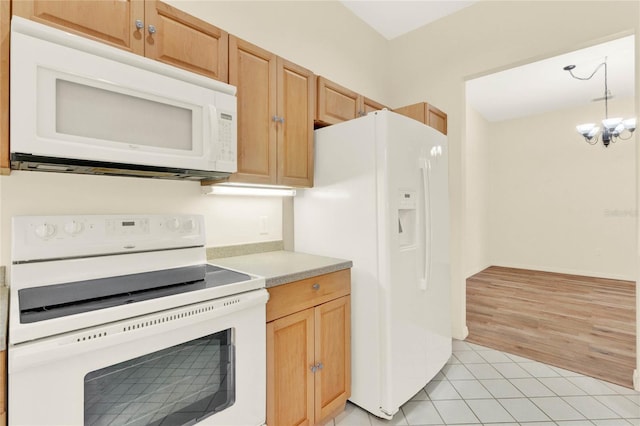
x=338 y=218
x=414 y=313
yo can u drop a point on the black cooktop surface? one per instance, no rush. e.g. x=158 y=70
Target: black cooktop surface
x=59 y=300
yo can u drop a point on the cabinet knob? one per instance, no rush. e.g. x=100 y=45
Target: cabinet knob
x=316 y=286
x=139 y=24
x=152 y=29
x=316 y=367
x=278 y=119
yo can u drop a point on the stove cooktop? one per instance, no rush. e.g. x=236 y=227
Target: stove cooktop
x=55 y=301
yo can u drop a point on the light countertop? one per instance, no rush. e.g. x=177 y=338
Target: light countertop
x=282 y=267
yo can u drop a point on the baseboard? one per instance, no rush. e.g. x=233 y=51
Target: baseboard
x=463 y=335
x=636 y=380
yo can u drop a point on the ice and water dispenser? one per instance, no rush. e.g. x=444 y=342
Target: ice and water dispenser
x=407 y=218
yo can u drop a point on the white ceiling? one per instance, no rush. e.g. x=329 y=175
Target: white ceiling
x=392 y=18
x=517 y=92
x=544 y=86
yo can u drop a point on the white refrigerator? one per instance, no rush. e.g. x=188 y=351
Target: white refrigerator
x=380 y=198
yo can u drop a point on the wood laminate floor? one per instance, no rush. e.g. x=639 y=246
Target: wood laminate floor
x=578 y=323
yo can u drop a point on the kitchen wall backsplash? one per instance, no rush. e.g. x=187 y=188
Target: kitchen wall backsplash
x=243 y=249
x=229 y=220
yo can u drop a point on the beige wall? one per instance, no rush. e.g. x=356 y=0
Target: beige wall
x=322 y=36
x=558 y=204
x=228 y=220
x=477 y=209
x=433 y=62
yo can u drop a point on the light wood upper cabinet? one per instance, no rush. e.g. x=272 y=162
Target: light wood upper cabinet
x=185 y=41
x=150 y=28
x=308 y=350
x=111 y=22
x=296 y=100
x=275 y=117
x=337 y=103
x=427 y=114
x=253 y=71
x=436 y=119
x=369 y=105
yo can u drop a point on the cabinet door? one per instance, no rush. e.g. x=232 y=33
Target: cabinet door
x=370 y=105
x=333 y=350
x=336 y=103
x=290 y=380
x=185 y=41
x=415 y=111
x=296 y=100
x=111 y=22
x=436 y=119
x=253 y=71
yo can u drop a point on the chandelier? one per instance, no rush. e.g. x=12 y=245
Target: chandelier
x=612 y=128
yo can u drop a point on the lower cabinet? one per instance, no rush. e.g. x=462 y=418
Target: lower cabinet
x=308 y=350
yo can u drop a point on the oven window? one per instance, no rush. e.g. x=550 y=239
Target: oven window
x=174 y=386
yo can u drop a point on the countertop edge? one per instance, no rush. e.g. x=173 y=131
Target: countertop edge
x=301 y=275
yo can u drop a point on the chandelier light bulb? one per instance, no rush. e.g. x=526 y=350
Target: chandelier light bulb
x=629 y=124
x=611 y=123
x=584 y=129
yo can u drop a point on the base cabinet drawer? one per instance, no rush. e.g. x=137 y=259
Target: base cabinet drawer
x=298 y=295
x=309 y=362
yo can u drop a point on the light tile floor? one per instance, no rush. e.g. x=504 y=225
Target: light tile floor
x=484 y=386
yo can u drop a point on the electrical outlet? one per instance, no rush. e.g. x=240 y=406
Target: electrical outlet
x=264 y=225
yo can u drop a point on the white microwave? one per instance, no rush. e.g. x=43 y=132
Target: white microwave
x=81 y=106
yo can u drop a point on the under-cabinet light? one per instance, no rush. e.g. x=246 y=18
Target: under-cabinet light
x=259 y=190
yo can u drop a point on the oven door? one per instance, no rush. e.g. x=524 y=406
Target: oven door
x=202 y=363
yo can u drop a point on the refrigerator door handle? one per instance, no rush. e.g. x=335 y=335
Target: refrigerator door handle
x=425 y=171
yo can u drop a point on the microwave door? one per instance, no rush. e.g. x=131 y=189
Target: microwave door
x=94 y=120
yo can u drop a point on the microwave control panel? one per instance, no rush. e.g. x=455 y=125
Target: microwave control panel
x=226 y=136
x=224 y=126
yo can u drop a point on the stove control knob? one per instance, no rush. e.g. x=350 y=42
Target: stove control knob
x=73 y=227
x=173 y=224
x=45 y=230
x=189 y=225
